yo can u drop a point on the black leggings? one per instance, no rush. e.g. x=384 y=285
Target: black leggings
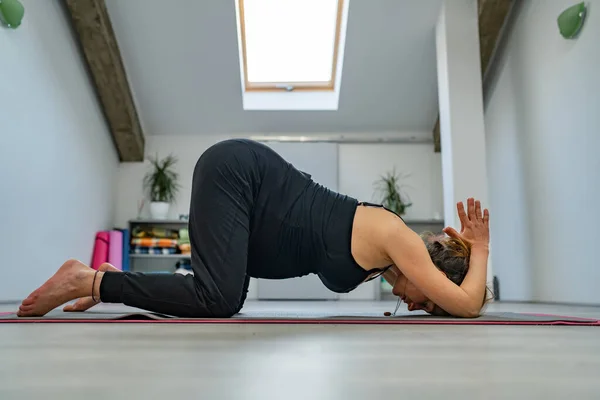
x=225 y=184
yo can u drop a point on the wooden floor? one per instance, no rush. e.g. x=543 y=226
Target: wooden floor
x=147 y=361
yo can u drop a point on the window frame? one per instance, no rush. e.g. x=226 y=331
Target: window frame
x=291 y=86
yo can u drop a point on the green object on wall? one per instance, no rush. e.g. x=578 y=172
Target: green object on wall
x=571 y=20
x=11 y=13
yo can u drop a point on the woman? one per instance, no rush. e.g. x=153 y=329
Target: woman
x=253 y=214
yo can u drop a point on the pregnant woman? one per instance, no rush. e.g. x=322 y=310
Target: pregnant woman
x=252 y=214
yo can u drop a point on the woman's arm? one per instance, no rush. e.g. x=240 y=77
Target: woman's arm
x=408 y=252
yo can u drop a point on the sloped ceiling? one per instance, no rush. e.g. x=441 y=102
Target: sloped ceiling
x=181 y=58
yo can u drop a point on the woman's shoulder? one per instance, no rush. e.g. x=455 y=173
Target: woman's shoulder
x=376 y=229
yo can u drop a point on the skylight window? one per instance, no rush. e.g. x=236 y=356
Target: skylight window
x=290 y=44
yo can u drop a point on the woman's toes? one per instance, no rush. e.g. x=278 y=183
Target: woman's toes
x=82 y=304
x=28 y=301
x=72 y=307
x=24 y=310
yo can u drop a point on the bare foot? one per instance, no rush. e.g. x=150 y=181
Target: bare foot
x=85 y=303
x=71 y=281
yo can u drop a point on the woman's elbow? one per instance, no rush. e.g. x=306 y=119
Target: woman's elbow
x=468 y=312
x=473 y=314
x=463 y=313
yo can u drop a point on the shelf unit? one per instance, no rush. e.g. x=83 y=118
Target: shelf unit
x=156 y=263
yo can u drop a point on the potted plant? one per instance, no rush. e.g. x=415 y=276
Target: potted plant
x=391 y=192
x=161 y=185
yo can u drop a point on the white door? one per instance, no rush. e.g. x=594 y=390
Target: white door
x=321 y=161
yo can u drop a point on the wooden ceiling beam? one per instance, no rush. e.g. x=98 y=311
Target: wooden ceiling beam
x=92 y=25
x=493 y=15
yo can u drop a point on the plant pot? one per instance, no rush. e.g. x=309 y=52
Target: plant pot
x=159 y=210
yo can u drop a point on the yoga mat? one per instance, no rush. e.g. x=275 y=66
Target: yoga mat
x=101 y=245
x=115 y=249
x=257 y=317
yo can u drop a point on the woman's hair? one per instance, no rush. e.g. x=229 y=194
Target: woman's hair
x=451 y=256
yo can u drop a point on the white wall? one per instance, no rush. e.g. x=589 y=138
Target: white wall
x=57 y=161
x=542 y=121
x=359 y=166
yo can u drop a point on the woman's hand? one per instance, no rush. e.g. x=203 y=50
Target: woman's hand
x=474 y=225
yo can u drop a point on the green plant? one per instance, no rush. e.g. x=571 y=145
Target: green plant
x=390 y=189
x=161 y=183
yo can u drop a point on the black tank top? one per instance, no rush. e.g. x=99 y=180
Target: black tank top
x=343 y=277
x=300 y=227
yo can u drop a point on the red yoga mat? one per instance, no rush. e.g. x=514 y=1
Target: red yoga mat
x=101 y=248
